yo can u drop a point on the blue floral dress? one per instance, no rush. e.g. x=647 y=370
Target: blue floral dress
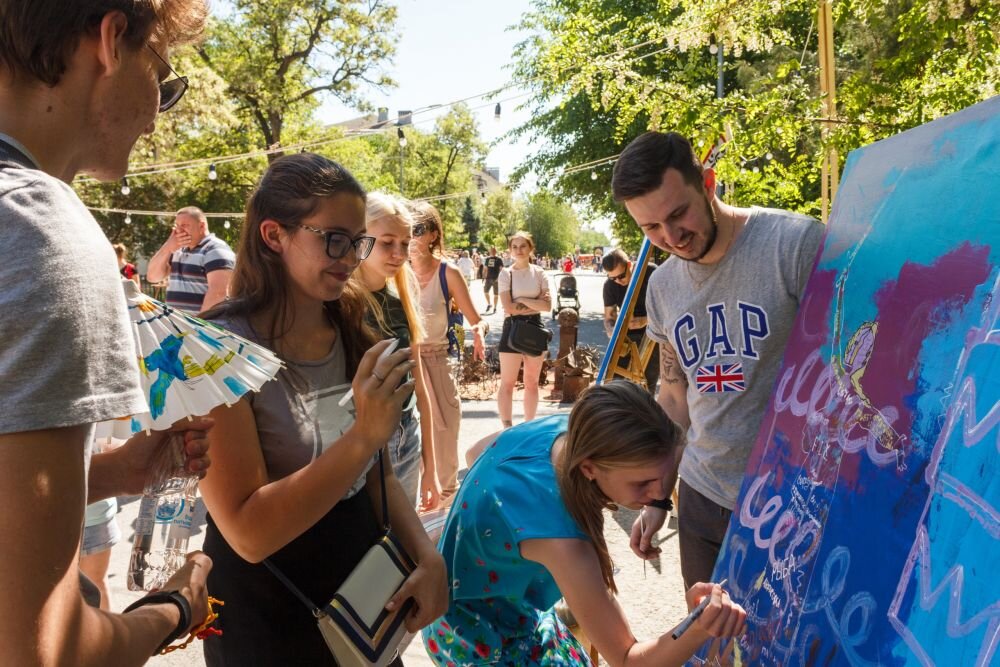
x=501 y=604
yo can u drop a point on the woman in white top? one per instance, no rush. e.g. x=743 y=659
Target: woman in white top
x=466 y=266
x=524 y=293
x=434 y=274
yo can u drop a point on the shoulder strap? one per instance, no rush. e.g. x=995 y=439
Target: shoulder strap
x=10 y=164
x=442 y=270
x=316 y=611
x=293 y=588
x=385 y=498
x=12 y=157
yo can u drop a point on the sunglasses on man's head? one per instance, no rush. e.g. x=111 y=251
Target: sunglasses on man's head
x=171 y=90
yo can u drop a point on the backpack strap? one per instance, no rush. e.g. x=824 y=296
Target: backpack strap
x=442 y=270
x=12 y=157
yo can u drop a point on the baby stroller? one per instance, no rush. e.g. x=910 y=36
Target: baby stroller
x=567 y=295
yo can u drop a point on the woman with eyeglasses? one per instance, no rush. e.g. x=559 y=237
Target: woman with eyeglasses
x=524 y=293
x=295 y=479
x=395 y=313
x=435 y=277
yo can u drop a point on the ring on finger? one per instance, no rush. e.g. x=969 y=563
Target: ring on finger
x=380 y=378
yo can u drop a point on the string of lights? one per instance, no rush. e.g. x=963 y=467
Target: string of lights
x=129 y=212
x=380 y=127
x=377 y=127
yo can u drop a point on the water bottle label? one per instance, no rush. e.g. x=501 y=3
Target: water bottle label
x=169 y=509
x=147 y=511
x=180 y=528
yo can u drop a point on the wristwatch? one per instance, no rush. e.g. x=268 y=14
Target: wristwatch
x=160 y=597
x=665 y=504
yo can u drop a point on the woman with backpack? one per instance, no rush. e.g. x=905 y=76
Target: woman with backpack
x=444 y=299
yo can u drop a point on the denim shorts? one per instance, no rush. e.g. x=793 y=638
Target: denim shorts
x=100 y=537
x=404 y=448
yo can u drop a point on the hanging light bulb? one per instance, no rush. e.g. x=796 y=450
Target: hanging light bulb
x=402 y=137
x=713 y=49
x=770 y=155
x=496 y=112
x=226 y=224
x=128 y=218
x=125 y=188
x=212 y=174
x=593 y=175
x=756 y=169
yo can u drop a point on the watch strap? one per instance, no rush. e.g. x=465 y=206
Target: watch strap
x=161 y=597
x=665 y=504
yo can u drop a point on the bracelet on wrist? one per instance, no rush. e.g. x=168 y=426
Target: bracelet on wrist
x=161 y=597
x=665 y=504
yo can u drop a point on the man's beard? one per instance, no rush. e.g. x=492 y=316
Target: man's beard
x=712 y=235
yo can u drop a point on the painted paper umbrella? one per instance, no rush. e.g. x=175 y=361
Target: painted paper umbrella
x=187 y=366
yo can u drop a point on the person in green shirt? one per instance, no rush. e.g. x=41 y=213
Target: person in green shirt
x=395 y=313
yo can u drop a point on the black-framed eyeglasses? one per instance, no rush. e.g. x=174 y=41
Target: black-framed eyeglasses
x=620 y=277
x=338 y=244
x=171 y=90
x=419 y=229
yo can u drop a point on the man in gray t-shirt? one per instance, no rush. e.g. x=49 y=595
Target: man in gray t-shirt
x=722 y=308
x=81 y=82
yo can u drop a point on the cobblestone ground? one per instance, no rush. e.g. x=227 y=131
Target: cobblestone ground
x=652 y=597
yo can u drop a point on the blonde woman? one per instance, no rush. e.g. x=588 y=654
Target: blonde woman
x=509 y=562
x=524 y=293
x=434 y=275
x=390 y=281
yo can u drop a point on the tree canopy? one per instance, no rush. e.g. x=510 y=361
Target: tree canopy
x=278 y=57
x=604 y=71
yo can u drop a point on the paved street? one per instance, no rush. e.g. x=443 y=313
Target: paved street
x=652 y=599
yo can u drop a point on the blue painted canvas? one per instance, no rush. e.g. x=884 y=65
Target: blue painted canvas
x=867 y=531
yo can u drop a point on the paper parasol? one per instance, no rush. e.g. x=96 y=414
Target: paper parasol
x=187 y=366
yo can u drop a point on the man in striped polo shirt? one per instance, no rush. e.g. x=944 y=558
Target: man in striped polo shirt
x=198 y=262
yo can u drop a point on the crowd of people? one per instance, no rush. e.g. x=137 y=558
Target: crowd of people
x=330 y=276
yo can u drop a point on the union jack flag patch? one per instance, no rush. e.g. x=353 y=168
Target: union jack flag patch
x=720 y=377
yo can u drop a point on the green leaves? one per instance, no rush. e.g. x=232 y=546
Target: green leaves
x=602 y=72
x=278 y=57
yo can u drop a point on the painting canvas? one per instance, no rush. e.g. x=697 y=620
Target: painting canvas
x=867 y=531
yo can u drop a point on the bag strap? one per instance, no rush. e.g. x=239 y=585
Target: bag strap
x=385 y=497
x=313 y=609
x=11 y=155
x=442 y=271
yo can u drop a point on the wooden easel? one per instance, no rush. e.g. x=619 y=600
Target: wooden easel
x=621 y=345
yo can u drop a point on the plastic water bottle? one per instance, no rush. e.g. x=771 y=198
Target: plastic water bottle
x=163 y=526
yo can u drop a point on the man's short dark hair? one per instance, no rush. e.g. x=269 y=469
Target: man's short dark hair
x=640 y=167
x=37 y=37
x=613 y=259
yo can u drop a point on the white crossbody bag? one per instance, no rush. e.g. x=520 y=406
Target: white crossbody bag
x=355 y=625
